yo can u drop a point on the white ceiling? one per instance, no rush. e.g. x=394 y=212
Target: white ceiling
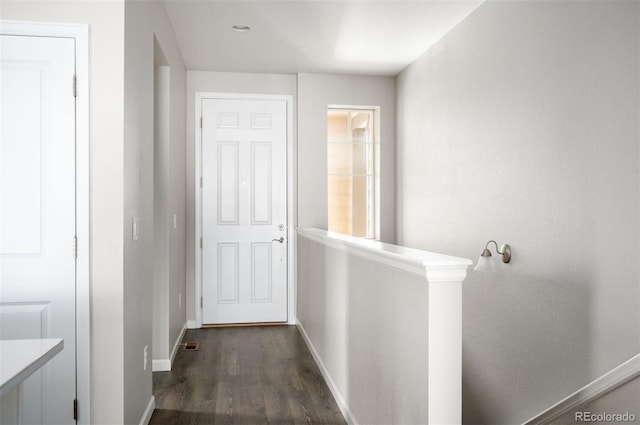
x=371 y=37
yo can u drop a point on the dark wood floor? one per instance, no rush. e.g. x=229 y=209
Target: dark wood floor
x=244 y=376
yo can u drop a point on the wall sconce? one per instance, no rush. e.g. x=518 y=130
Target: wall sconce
x=486 y=264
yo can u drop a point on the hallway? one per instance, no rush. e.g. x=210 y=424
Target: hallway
x=244 y=376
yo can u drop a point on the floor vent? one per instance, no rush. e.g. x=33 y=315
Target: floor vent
x=190 y=346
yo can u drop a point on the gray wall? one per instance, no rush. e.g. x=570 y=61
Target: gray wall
x=169 y=167
x=522 y=125
x=143 y=20
x=177 y=190
x=368 y=324
x=315 y=93
x=223 y=82
x=161 y=139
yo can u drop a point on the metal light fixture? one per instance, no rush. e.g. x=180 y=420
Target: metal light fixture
x=486 y=263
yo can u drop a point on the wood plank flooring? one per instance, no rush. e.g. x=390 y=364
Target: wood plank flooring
x=244 y=376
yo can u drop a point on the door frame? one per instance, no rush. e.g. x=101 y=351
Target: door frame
x=80 y=34
x=291 y=197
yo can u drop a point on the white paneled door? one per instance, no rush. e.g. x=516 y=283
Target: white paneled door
x=38 y=222
x=244 y=211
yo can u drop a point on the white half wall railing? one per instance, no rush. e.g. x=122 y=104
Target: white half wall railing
x=384 y=324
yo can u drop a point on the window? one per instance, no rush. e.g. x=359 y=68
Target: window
x=351 y=171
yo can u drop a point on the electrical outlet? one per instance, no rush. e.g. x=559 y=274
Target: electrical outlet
x=175 y=221
x=146 y=357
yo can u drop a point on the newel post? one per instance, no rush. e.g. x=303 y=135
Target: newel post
x=445 y=342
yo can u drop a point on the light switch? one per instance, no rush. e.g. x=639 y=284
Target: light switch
x=135 y=231
x=145 y=356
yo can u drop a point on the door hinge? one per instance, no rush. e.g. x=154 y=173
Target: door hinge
x=75 y=86
x=200 y=181
x=200 y=122
x=75 y=247
x=200 y=243
x=75 y=409
x=201 y=302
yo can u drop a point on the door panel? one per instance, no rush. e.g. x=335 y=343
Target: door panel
x=37 y=222
x=228 y=189
x=261 y=183
x=244 y=204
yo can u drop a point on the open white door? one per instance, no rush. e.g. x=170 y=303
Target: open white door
x=38 y=216
x=244 y=211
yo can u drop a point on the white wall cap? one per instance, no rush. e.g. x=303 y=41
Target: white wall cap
x=424 y=264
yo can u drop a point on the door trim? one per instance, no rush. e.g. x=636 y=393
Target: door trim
x=291 y=197
x=80 y=34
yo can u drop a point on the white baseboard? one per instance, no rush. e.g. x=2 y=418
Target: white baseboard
x=148 y=412
x=177 y=343
x=342 y=404
x=191 y=324
x=161 y=365
x=164 y=365
x=608 y=382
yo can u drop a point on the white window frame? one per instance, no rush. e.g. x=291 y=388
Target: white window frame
x=376 y=159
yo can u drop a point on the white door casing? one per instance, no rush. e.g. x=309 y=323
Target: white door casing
x=38 y=214
x=244 y=210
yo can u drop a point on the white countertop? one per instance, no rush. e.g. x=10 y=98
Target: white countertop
x=21 y=357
